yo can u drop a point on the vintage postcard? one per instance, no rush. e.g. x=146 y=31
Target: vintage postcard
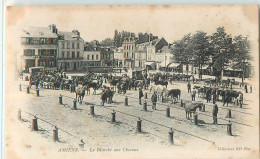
x=132 y=81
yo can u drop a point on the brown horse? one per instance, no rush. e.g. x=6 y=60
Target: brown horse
x=191 y=107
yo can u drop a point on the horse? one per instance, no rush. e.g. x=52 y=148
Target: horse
x=191 y=107
x=93 y=85
x=80 y=93
x=163 y=83
x=174 y=93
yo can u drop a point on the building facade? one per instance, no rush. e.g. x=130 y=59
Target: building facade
x=129 y=52
x=70 y=51
x=119 y=57
x=40 y=45
x=92 y=58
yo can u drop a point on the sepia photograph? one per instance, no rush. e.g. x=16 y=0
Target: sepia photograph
x=161 y=81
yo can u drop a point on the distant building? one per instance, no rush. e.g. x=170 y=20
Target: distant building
x=119 y=57
x=70 y=54
x=164 y=57
x=129 y=52
x=92 y=58
x=107 y=56
x=40 y=46
x=140 y=55
x=153 y=48
x=143 y=38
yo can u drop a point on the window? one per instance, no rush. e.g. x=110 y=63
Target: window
x=68 y=54
x=73 y=54
x=88 y=57
x=63 y=52
x=52 y=52
x=77 y=53
x=127 y=55
x=68 y=45
x=29 y=52
x=92 y=57
x=48 y=52
x=77 y=45
x=73 y=45
x=97 y=57
x=63 y=45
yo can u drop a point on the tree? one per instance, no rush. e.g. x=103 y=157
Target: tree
x=242 y=56
x=200 y=46
x=181 y=50
x=107 y=42
x=222 y=50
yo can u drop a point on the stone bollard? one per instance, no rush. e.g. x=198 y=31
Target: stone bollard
x=195 y=119
x=60 y=99
x=34 y=124
x=229 y=113
x=20 y=87
x=55 y=134
x=81 y=145
x=203 y=108
x=229 y=130
x=113 y=116
x=28 y=89
x=171 y=136
x=126 y=101
x=168 y=112
x=74 y=104
x=92 y=110
x=145 y=95
x=139 y=125
x=145 y=106
x=38 y=92
x=19 y=114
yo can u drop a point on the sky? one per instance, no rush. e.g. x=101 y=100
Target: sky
x=99 y=22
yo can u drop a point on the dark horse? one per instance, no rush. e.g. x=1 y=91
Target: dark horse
x=93 y=85
x=191 y=107
x=175 y=93
x=163 y=83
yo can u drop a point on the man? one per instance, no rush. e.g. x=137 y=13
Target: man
x=208 y=95
x=215 y=114
x=251 y=89
x=227 y=98
x=246 y=88
x=140 y=96
x=240 y=99
x=189 y=87
x=154 y=100
x=193 y=94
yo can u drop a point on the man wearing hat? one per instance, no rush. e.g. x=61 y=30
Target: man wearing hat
x=193 y=94
x=140 y=96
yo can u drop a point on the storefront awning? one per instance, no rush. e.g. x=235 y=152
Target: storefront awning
x=231 y=69
x=173 y=65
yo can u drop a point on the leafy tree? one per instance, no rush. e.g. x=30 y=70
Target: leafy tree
x=242 y=56
x=223 y=50
x=201 y=48
x=107 y=42
x=181 y=50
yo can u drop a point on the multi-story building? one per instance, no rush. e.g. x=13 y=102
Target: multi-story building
x=129 y=52
x=164 y=57
x=40 y=46
x=153 y=48
x=70 y=51
x=92 y=58
x=140 y=55
x=107 y=56
x=119 y=57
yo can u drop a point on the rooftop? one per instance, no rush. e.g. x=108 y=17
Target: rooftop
x=38 y=32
